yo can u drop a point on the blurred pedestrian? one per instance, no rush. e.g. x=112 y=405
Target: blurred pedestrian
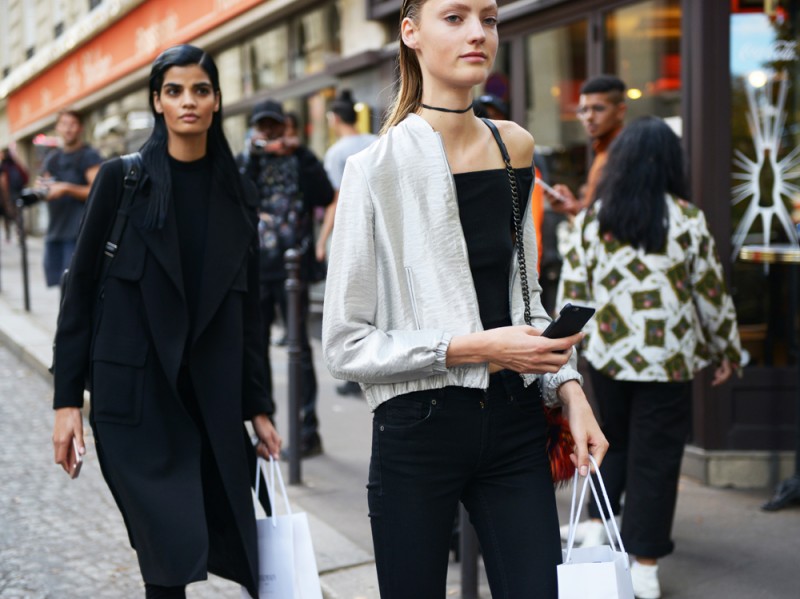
x=171 y=343
x=291 y=182
x=493 y=107
x=67 y=174
x=646 y=260
x=601 y=110
x=424 y=307
x=342 y=119
x=13 y=178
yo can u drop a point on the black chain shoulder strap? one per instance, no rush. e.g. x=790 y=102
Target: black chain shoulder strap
x=517 y=211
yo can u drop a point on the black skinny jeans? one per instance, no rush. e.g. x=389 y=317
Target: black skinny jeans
x=647 y=425
x=431 y=449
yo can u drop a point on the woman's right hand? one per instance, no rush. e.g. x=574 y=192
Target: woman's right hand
x=519 y=348
x=68 y=425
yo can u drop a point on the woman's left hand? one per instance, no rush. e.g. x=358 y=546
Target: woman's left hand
x=269 y=441
x=583 y=425
x=722 y=373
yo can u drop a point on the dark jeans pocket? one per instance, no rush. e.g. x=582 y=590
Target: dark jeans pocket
x=405 y=411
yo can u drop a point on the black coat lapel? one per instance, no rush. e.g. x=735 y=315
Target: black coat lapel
x=230 y=232
x=162 y=243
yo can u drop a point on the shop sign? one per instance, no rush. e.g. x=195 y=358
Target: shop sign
x=121 y=49
x=777 y=51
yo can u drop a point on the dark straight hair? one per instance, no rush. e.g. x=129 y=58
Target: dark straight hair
x=345 y=107
x=645 y=162
x=155 y=156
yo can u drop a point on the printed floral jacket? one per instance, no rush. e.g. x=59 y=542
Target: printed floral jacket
x=660 y=316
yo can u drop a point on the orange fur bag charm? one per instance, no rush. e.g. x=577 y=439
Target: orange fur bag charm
x=560 y=445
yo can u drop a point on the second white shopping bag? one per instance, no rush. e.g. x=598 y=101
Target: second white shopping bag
x=287 y=568
x=594 y=572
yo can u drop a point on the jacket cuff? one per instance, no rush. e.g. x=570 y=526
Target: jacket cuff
x=260 y=406
x=440 y=363
x=551 y=383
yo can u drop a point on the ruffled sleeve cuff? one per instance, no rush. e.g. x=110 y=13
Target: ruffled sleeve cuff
x=551 y=383
x=440 y=361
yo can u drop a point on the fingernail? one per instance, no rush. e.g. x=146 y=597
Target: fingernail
x=584 y=470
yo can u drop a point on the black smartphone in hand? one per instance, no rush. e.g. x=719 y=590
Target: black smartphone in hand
x=570 y=320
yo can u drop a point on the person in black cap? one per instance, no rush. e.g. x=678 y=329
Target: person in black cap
x=494 y=107
x=291 y=182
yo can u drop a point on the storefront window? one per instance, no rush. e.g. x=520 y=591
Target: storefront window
x=765 y=186
x=316 y=40
x=229 y=65
x=642 y=47
x=268 y=65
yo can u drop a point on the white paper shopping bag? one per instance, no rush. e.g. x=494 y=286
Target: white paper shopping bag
x=594 y=572
x=287 y=567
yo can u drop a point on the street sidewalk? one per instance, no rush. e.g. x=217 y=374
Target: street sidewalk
x=726 y=547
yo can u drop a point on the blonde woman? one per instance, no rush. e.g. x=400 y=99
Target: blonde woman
x=424 y=308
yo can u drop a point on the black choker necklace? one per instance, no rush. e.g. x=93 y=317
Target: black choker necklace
x=467 y=109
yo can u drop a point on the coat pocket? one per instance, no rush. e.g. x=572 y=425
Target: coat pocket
x=118 y=379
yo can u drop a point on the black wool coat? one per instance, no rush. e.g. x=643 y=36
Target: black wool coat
x=181 y=480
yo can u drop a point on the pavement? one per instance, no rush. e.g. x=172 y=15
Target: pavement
x=726 y=547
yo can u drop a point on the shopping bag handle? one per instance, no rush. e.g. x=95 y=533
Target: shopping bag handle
x=269 y=481
x=576 y=507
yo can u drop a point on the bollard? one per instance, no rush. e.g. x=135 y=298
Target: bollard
x=23 y=248
x=294 y=298
x=469 y=556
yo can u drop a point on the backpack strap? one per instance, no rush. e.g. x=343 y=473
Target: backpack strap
x=132 y=166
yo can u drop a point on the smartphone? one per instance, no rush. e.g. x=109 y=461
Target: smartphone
x=76 y=467
x=550 y=190
x=570 y=320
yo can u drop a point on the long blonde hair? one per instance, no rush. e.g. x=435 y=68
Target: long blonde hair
x=409 y=94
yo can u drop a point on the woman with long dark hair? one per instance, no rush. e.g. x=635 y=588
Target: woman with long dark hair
x=426 y=306
x=646 y=260
x=168 y=337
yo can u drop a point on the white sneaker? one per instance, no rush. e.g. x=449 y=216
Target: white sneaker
x=588 y=533
x=645 y=581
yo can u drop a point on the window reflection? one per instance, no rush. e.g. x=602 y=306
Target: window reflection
x=765 y=185
x=643 y=49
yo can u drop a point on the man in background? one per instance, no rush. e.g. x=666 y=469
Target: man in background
x=291 y=182
x=13 y=178
x=601 y=110
x=67 y=173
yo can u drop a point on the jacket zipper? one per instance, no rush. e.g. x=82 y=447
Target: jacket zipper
x=410 y=281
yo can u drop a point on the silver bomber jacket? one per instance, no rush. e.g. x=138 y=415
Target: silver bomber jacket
x=399 y=285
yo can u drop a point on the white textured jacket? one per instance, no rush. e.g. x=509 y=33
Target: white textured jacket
x=399 y=284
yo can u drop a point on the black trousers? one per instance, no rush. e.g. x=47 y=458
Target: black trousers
x=431 y=449
x=273 y=294
x=647 y=425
